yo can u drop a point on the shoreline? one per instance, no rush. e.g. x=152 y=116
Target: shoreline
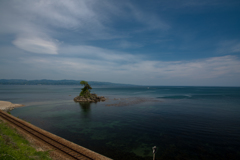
x=8 y=106
x=41 y=144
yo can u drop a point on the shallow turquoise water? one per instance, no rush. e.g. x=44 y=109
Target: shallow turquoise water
x=183 y=122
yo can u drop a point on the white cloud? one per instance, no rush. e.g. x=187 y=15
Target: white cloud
x=212 y=71
x=36 y=45
x=58 y=13
x=68 y=14
x=201 y=69
x=93 y=19
x=91 y=52
x=35 y=24
x=37 y=19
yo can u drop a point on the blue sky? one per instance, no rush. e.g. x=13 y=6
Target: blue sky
x=172 y=42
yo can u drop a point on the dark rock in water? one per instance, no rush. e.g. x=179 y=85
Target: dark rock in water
x=91 y=98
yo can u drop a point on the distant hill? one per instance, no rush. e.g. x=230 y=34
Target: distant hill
x=56 y=82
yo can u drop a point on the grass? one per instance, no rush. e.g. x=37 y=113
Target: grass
x=14 y=146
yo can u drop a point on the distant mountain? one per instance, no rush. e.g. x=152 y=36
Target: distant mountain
x=56 y=82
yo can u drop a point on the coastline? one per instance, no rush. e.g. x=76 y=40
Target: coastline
x=8 y=106
x=57 y=147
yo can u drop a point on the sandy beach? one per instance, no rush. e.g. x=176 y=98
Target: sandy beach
x=8 y=106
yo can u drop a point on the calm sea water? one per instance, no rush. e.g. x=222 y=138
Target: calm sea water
x=183 y=122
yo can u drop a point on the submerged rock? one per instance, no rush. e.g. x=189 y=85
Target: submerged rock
x=91 y=98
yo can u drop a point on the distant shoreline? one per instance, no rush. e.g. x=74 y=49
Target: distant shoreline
x=57 y=82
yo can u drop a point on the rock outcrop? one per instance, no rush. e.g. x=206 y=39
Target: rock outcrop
x=91 y=98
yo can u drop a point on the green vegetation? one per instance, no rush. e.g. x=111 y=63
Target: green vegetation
x=14 y=147
x=85 y=90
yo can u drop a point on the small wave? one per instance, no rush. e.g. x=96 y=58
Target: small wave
x=207 y=96
x=176 y=97
x=143 y=92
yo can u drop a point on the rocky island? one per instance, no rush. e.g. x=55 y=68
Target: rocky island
x=91 y=98
x=86 y=96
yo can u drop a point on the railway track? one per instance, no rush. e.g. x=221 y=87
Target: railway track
x=73 y=150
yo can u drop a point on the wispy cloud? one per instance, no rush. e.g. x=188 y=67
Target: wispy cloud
x=230 y=46
x=93 y=40
x=91 y=52
x=126 y=44
x=148 y=19
x=36 y=45
x=213 y=71
x=90 y=20
x=195 y=4
x=56 y=13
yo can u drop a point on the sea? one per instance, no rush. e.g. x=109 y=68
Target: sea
x=197 y=123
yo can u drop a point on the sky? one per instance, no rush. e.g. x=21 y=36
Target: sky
x=173 y=42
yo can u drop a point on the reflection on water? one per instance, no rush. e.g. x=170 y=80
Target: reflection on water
x=85 y=109
x=85 y=106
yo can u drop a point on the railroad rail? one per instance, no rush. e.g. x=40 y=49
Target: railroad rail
x=71 y=149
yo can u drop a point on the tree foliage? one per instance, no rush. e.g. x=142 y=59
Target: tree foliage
x=86 y=89
x=83 y=83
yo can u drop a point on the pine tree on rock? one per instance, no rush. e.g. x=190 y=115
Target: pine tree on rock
x=85 y=90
